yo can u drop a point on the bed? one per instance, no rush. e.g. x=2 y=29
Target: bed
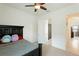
x=18 y=48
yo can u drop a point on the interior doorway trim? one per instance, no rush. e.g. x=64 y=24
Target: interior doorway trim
x=69 y=46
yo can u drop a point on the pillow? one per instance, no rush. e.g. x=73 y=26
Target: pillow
x=15 y=37
x=20 y=37
x=6 y=38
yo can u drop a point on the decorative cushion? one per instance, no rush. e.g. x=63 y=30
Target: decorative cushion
x=6 y=38
x=20 y=37
x=15 y=37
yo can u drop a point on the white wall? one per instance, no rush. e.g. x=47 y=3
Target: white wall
x=58 y=18
x=13 y=16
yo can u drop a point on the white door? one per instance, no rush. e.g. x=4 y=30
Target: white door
x=42 y=31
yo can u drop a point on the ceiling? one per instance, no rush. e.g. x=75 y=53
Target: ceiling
x=49 y=6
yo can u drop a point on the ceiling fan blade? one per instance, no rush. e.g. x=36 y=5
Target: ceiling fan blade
x=41 y=3
x=35 y=10
x=29 y=5
x=43 y=8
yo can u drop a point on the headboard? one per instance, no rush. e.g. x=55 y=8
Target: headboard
x=10 y=30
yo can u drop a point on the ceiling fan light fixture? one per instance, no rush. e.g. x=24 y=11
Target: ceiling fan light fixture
x=37 y=7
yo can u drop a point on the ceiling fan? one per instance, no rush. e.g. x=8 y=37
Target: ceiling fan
x=37 y=6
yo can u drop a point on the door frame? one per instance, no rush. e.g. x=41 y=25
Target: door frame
x=68 y=33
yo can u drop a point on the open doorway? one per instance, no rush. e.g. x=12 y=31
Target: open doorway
x=73 y=33
x=49 y=31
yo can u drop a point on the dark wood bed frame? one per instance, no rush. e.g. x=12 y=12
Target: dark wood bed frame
x=36 y=52
x=12 y=29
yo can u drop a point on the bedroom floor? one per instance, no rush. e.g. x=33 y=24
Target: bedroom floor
x=49 y=50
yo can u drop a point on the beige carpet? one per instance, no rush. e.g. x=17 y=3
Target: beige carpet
x=49 y=50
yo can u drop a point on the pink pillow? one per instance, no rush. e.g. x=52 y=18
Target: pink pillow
x=15 y=37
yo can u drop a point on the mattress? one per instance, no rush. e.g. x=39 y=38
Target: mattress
x=18 y=48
